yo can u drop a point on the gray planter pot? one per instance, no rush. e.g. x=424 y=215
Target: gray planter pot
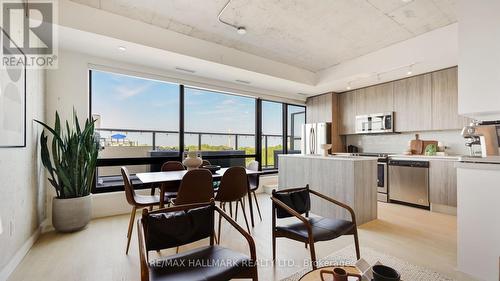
x=72 y=214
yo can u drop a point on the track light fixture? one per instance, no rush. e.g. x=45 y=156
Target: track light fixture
x=239 y=29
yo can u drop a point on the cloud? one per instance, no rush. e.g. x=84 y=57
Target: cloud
x=228 y=102
x=125 y=92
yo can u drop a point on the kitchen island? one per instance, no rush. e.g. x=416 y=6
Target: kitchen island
x=477 y=217
x=348 y=179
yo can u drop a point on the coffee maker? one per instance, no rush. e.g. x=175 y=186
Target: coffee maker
x=481 y=139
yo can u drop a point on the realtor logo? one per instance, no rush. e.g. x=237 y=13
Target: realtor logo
x=28 y=30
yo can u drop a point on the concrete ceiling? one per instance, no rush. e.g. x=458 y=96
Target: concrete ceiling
x=312 y=35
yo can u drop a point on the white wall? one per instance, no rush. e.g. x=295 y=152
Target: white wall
x=397 y=143
x=479 y=59
x=22 y=185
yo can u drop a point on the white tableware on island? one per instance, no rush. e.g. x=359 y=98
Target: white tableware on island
x=325 y=147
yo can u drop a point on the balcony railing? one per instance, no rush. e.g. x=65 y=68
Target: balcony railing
x=155 y=139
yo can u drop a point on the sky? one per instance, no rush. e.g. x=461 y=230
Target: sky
x=126 y=102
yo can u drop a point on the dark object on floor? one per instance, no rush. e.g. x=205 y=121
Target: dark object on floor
x=385 y=273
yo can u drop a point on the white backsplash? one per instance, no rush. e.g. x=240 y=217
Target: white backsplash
x=398 y=143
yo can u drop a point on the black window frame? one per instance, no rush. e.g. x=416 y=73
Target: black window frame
x=124 y=161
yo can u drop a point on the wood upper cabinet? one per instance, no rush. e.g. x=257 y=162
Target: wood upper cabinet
x=319 y=108
x=445 y=100
x=420 y=103
x=375 y=99
x=443 y=182
x=347 y=108
x=413 y=103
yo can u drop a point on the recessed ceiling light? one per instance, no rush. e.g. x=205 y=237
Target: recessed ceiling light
x=348 y=86
x=410 y=70
x=407 y=1
x=121 y=48
x=241 y=30
x=185 y=69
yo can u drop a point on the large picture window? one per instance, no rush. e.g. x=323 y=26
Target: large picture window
x=219 y=124
x=272 y=133
x=135 y=115
x=143 y=123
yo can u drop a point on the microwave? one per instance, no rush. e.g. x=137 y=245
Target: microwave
x=375 y=123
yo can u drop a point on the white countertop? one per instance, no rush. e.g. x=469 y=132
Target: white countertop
x=480 y=160
x=425 y=157
x=331 y=157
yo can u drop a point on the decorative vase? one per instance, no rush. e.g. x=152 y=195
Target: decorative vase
x=193 y=160
x=325 y=147
x=72 y=214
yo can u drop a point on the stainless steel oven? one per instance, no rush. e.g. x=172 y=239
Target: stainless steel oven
x=375 y=123
x=382 y=182
x=382 y=175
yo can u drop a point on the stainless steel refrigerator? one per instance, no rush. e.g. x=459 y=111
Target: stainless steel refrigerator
x=313 y=136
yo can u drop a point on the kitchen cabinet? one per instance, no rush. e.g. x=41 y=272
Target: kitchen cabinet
x=375 y=99
x=443 y=182
x=420 y=103
x=413 y=103
x=347 y=108
x=445 y=101
x=319 y=108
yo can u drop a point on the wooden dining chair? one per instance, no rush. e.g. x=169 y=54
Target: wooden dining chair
x=233 y=188
x=136 y=201
x=195 y=187
x=253 y=181
x=169 y=189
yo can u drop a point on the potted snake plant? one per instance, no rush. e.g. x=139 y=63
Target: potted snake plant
x=71 y=162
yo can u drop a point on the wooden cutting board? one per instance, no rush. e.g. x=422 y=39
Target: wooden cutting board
x=426 y=143
x=416 y=145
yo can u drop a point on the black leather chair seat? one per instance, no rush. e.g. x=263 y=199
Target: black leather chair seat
x=211 y=263
x=323 y=229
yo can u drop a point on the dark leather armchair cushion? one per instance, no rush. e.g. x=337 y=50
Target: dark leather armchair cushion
x=299 y=201
x=212 y=263
x=167 y=230
x=323 y=229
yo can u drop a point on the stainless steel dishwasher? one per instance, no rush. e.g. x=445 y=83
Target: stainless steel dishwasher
x=409 y=182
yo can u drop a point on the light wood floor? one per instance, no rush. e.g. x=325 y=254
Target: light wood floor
x=98 y=252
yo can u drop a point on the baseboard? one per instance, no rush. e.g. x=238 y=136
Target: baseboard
x=46 y=226
x=18 y=257
x=444 y=209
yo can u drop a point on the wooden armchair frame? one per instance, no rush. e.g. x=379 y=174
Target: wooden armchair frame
x=310 y=239
x=251 y=273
